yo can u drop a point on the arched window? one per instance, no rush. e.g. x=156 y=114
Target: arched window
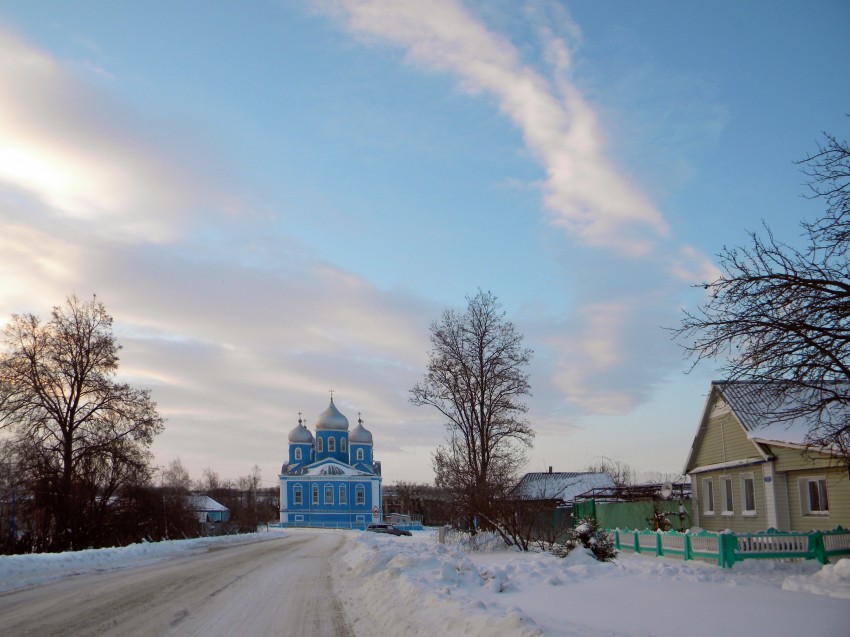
x=331 y=444
x=360 y=454
x=296 y=495
x=360 y=494
x=342 y=445
x=298 y=453
x=343 y=499
x=329 y=493
x=318 y=444
x=315 y=494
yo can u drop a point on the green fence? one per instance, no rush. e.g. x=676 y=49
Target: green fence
x=728 y=548
x=633 y=515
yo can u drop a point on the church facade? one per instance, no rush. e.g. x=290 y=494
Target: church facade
x=330 y=479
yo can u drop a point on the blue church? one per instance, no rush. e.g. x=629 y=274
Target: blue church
x=330 y=480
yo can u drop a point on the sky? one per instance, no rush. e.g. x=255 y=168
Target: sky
x=276 y=199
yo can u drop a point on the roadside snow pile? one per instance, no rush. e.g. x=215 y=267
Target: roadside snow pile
x=832 y=580
x=417 y=587
x=19 y=571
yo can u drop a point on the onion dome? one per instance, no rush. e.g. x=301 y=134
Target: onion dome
x=331 y=419
x=360 y=435
x=300 y=434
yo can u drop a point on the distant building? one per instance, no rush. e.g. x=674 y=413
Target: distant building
x=208 y=510
x=330 y=479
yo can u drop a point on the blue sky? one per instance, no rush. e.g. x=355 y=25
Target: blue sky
x=274 y=199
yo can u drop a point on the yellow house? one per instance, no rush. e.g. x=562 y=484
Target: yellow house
x=751 y=473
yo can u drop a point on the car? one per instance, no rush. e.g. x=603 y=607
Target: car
x=387 y=528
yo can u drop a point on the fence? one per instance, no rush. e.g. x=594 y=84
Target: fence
x=727 y=548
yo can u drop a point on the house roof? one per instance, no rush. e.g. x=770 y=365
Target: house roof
x=562 y=485
x=768 y=412
x=205 y=503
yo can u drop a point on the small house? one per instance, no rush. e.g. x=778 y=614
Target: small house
x=751 y=468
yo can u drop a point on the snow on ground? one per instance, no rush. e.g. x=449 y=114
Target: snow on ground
x=415 y=586
x=18 y=571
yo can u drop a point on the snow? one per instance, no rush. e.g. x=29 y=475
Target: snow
x=18 y=571
x=417 y=587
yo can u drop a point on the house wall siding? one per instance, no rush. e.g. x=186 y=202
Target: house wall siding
x=838 y=493
x=737 y=521
x=724 y=440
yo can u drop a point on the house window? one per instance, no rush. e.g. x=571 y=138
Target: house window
x=342 y=497
x=726 y=494
x=319 y=444
x=298 y=453
x=708 y=496
x=315 y=494
x=299 y=518
x=360 y=454
x=331 y=444
x=296 y=495
x=342 y=444
x=360 y=495
x=748 y=494
x=813 y=499
x=329 y=493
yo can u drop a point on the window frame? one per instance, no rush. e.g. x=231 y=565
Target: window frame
x=343 y=495
x=805 y=487
x=727 y=496
x=343 y=445
x=319 y=444
x=360 y=495
x=297 y=453
x=329 y=491
x=748 y=494
x=708 y=496
x=315 y=495
x=361 y=456
x=331 y=444
x=297 y=496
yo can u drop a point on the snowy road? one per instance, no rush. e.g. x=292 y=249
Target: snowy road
x=279 y=586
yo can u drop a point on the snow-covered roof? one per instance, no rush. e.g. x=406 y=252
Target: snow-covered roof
x=560 y=485
x=205 y=503
x=769 y=412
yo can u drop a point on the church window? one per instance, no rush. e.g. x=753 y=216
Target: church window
x=360 y=494
x=342 y=445
x=331 y=444
x=296 y=495
x=319 y=444
x=315 y=494
x=298 y=453
x=329 y=494
x=360 y=454
x=342 y=497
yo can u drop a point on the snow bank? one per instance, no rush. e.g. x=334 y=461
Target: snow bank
x=415 y=586
x=19 y=571
x=832 y=580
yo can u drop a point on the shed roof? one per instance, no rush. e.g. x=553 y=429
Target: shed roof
x=561 y=485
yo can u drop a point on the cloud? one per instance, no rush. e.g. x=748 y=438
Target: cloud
x=87 y=157
x=583 y=190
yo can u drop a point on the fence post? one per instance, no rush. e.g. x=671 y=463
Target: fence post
x=659 y=548
x=617 y=539
x=817 y=547
x=687 y=546
x=636 y=539
x=726 y=545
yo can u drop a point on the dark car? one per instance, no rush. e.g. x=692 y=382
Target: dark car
x=387 y=528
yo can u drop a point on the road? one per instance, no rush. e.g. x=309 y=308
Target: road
x=276 y=587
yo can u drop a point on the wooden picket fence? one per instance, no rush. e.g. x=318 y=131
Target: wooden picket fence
x=728 y=548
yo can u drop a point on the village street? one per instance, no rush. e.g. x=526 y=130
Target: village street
x=277 y=586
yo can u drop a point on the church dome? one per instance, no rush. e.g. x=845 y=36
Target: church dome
x=360 y=435
x=332 y=419
x=300 y=434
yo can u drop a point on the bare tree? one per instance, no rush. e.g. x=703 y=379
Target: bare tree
x=176 y=477
x=80 y=436
x=621 y=473
x=476 y=380
x=781 y=315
